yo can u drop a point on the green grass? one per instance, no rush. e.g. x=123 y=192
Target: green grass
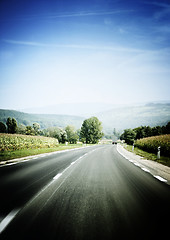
x=9 y=155
x=150 y=156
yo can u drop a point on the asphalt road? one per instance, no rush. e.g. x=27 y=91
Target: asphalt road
x=91 y=193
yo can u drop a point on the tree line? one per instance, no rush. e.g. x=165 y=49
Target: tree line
x=130 y=135
x=90 y=132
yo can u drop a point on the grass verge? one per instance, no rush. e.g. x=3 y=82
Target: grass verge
x=9 y=155
x=150 y=156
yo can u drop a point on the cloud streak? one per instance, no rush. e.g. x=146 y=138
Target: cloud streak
x=164 y=9
x=89 y=13
x=76 y=46
x=68 y=15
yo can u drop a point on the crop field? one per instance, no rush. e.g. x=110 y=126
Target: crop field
x=13 y=142
x=151 y=144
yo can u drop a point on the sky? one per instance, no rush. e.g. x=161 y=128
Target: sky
x=62 y=51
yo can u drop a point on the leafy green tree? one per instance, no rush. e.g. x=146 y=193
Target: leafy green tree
x=91 y=130
x=21 y=129
x=129 y=136
x=36 y=127
x=62 y=136
x=140 y=132
x=2 y=128
x=14 y=126
x=9 y=125
x=72 y=137
x=29 y=131
x=168 y=128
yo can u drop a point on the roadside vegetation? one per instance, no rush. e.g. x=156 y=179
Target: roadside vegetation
x=147 y=140
x=20 y=141
x=131 y=135
x=150 y=156
x=151 y=144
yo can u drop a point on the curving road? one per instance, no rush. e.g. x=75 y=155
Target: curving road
x=90 y=193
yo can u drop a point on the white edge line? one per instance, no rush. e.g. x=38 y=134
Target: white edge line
x=145 y=169
x=160 y=178
x=41 y=155
x=57 y=176
x=8 y=219
x=136 y=164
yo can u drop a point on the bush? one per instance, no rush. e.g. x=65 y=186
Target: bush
x=151 y=144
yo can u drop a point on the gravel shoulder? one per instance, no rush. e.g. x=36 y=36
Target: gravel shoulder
x=161 y=172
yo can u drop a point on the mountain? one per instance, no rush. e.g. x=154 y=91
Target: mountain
x=151 y=114
x=45 y=120
x=119 y=117
x=73 y=109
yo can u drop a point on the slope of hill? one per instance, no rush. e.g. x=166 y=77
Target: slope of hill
x=120 y=117
x=135 y=116
x=45 y=120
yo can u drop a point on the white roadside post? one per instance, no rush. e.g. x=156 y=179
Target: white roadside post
x=133 y=147
x=159 y=152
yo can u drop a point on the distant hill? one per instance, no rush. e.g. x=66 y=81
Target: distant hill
x=119 y=117
x=73 y=109
x=135 y=116
x=45 y=120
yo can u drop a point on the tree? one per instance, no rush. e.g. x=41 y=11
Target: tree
x=129 y=136
x=21 y=129
x=29 y=131
x=140 y=132
x=72 y=137
x=2 y=127
x=36 y=127
x=167 y=128
x=91 y=130
x=9 y=125
x=14 y=126
x=62 y=136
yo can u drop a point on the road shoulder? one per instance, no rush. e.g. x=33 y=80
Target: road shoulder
x=159 y=171
x=31 y=157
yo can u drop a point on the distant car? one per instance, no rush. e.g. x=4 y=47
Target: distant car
x=114 y=142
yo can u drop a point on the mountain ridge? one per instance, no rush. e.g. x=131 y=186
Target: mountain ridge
x=119 y=117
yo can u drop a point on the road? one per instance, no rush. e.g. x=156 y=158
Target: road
x=89 y=193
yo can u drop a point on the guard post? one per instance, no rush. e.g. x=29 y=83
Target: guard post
x=159 y=153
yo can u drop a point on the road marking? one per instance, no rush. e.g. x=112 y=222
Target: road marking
x=145 y=169
x=57 y=176
x=160 y=178
x=10 y=164
x=8 y=219
x=136 y=164
x=73 y=163
x=130 y=160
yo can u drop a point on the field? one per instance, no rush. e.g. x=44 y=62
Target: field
x=151 y=144
x=16 y=145
x=12 y=142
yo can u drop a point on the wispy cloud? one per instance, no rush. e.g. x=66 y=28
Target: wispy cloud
x=90 y=13
x=164 y=9
x=77 y=46
x=68 y=15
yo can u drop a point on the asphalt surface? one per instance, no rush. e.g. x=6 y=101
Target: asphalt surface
x=91 y=193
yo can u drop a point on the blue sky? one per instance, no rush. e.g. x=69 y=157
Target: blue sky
x=62 y=51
